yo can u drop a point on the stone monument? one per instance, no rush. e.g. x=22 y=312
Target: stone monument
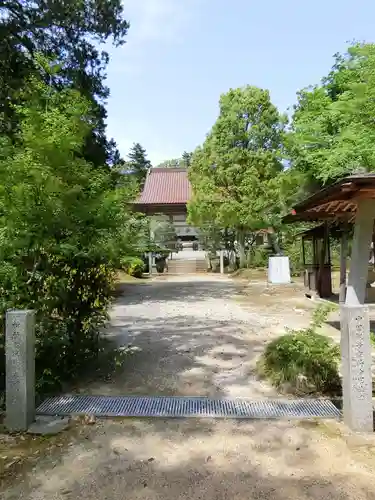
x=20 y=369
x=278 y=270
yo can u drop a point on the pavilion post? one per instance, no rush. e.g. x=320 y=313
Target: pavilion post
x=356 y=290
x=355 y=327
x=343 y=259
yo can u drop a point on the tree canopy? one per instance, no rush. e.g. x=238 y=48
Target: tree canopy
x=183 y=162
x=68 y=33
x=235 y=173
x=332 y=126
x=186 y=159
x=138 y=163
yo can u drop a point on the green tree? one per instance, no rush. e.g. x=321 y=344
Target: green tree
x=59 y=219
x=332 y=133
x=235 y=174
x=164 y=234
x=138 y=162
x=172 y=163
x=70 y=33
x=186 y=159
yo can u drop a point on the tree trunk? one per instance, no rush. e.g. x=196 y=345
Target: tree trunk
x=272 y=241
x=241 y=247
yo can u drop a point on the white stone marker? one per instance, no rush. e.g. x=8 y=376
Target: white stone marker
x=221 y=261
x=20 y=369
x=278 y=270
x=356 y=367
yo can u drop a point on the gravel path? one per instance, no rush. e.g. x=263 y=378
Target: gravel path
x=191 y=338
x=194 y=337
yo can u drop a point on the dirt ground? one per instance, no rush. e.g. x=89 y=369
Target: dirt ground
x=197 y=336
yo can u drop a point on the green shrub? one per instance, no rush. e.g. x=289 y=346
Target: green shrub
x=71 y=296
x=303 y=360
x=134 y=266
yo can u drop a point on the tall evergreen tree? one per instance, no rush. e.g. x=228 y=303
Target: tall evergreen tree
x=67 y=33
x=186 y=159
x=235 y=174
x=138 y=162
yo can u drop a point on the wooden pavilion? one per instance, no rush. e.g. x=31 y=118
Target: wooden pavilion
x=350 y=201
x=335 y=209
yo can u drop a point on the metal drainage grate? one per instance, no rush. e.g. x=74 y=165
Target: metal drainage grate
x=172 y=407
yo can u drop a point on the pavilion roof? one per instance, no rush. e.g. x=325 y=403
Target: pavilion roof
x=337 y=202
x=166 y=186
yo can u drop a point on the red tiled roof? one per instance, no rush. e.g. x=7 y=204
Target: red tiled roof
x=166 y=186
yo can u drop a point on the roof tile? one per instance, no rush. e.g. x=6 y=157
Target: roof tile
x=166 y=186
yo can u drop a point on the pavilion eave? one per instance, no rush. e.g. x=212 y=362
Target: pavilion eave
x=336 y=202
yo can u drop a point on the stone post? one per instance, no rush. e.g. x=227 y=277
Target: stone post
x=20 y=369
x=150 y=263
x=355 y=327
x=221 y=261
x=356 y=367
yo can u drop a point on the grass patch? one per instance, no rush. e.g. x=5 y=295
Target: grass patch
x=249 y=273
x=123 y=277
x=303 y=361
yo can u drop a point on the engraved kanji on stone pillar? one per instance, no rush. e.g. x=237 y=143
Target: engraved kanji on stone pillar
x=356 y=367
x=20 y=369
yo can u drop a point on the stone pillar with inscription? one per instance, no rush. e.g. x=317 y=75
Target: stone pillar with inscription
x=20 y=369
x=356 y=367
x=355 y=327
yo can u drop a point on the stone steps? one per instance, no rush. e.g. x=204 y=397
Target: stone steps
x=182 y=266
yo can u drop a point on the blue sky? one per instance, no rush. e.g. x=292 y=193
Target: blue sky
x=181 y=55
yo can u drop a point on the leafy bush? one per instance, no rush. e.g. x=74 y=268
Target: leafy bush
x=134 y=266
x=71 y=303
x=303 y=360
x=70 y=295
